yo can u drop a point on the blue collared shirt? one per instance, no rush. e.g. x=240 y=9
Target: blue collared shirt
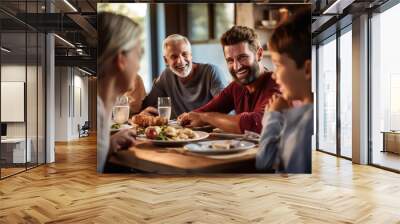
x=285 y=143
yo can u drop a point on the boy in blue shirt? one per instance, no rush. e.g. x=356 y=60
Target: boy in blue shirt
x=285 y=144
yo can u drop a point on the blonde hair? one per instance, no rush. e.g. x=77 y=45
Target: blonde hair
x=117 y=34
x=175 y=38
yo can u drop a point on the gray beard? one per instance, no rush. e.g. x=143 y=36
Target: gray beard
x=184 y=75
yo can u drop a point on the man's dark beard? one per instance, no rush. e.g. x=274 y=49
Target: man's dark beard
x=253 y=74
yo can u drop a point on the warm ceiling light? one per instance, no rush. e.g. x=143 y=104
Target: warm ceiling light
x=71 y=6
x=283 y=10
x=338 y=6
x=330 y=8
x=80 y=51
x=5 y=50
x=86 y=72
x=65 y=41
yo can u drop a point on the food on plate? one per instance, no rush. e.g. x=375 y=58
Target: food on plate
x=152 y=132
x=169 y=133
x=224 y=145
x=116 y=126
x=188 y=132
x=146 y=120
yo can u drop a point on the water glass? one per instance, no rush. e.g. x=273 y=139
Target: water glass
x=164 y=107
x=120 y=110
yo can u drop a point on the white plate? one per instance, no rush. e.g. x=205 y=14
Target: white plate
x=174 y=123
x=206 y=128
x=124 y=126
x=226 y=135
x=206 y=147
x=201 y=135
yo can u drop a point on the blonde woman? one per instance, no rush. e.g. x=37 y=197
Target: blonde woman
x=119 y=53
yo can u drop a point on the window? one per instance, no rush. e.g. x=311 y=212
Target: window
x=22 y=76
x=327 y=96
x=209 y=21
x=224 y=18
x=394 y=102
x=327 y=109
x=346 y=93
x=198 y=22
x=385 y=85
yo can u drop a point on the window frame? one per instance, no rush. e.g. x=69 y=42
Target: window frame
x=212 y=26
x=27 y=29
x=380 y=9
x=344 y=30
x=333 y=37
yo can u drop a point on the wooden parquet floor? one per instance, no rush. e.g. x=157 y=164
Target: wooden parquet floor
x=10 y=171
x=70 y=191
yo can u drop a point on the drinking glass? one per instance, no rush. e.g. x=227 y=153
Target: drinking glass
x=120 y=111
x=164 y=107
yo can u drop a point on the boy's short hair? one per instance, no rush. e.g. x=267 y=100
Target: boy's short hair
x=293 y=37
x=238 y=34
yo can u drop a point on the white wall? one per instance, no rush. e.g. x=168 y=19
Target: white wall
x=71 y=94
x=61 y=103
x=16 y=73
x=33 y=127
x=79 y=117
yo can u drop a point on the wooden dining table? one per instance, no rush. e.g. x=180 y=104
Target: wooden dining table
x=149 y=158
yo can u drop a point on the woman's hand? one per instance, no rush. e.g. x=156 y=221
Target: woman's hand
x=122 y=140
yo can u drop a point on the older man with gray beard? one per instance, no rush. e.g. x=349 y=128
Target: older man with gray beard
x=188 y=84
